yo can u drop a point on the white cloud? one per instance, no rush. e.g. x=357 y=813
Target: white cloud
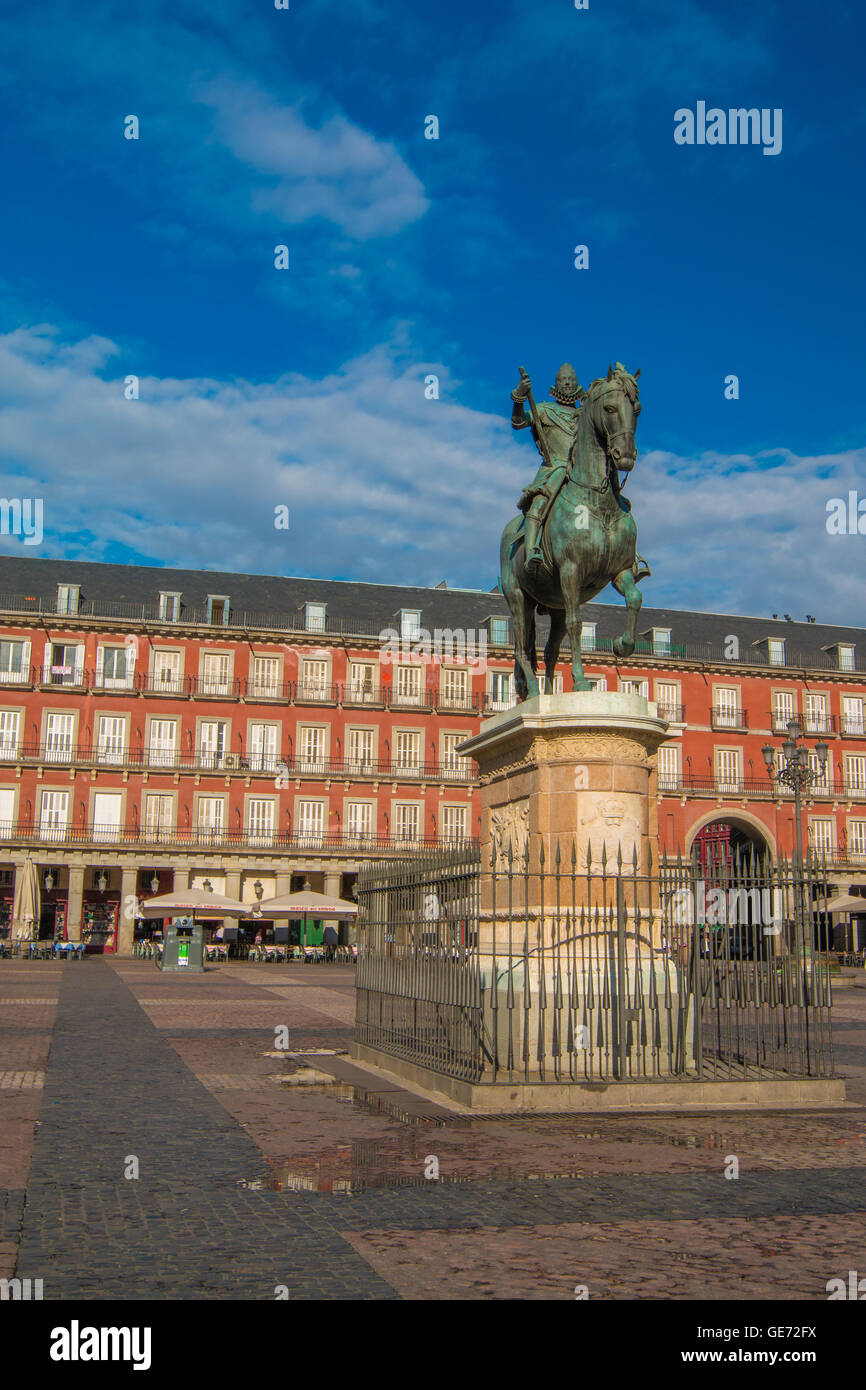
x=334 y=170
x=383 y=484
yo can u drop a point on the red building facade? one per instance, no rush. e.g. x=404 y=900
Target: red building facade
x=162 y=728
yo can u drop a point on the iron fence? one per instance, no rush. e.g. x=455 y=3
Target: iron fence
x=598 y=972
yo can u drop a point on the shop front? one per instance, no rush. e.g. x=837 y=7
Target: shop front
x=100 y=916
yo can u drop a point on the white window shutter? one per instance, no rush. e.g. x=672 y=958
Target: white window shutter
x=100 y=664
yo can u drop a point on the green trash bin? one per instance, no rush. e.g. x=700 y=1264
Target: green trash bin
x=183 y=947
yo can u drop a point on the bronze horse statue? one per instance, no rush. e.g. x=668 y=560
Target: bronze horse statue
x=590 y=538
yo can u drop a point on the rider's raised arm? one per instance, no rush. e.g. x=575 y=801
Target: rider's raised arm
x=520 y=420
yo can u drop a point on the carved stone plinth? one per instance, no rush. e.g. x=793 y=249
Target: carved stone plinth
x=574 y=776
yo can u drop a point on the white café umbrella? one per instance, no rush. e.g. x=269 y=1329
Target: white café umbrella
x=193 y=902
x=306 y=904
x=27 y=902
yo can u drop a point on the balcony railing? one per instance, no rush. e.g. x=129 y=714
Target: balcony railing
x=852 y=726
x=29 y=832
x=724 y=718
x=757 y=788
x=674 y=714
x=242 y=763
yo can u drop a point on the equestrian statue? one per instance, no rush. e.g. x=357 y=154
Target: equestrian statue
x=576 y=533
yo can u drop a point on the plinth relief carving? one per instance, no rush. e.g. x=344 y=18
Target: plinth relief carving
x=610 y=822
x=509 y=829
x=579 y=747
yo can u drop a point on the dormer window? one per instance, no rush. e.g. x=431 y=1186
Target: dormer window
x=410 y=624
x=217 y=610
x=845 y=654
x=499 y=631
x=661 y=641
x=587 y=637
x=776 y=651
x=67 y=598
x=314 y=617
x=169 y=606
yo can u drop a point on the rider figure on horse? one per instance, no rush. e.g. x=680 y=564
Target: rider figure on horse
x=559 y=423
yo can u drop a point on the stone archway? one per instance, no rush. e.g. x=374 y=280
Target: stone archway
x=745 y=830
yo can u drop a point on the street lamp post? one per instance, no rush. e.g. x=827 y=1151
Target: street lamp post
x=798 y=774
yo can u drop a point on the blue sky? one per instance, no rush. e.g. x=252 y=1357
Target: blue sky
x=304 y=388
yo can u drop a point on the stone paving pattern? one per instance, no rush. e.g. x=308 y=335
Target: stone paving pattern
x=249 y=1181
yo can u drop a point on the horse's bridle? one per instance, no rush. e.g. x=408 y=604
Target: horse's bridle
x=610 y=462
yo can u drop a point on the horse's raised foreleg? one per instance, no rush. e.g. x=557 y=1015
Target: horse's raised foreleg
x=625 y=584
x=569 y=579
x=552 y=646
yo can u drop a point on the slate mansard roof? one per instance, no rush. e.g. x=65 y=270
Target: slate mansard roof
x=270 y=601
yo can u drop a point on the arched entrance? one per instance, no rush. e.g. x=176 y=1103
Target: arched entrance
x=723 y=838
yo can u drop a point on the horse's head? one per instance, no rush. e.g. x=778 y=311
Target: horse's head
x=612 y=405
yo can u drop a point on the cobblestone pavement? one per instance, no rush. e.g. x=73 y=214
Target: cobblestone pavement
x=248 y=1180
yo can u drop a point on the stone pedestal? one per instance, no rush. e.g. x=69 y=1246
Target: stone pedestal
x=567 y=780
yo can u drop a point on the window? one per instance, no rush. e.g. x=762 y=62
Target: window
x=361 y=748
x=217 y=610
x=821 y=774
x=67 y=598
x=668 y=700
x=261 y=820
x=10 y=727
x=7 y=821
x=454 y=823
x=314 y=617
x=362 y=682
x=852 y=715
x=783 y=710
x=661 y=641
x=263 y=752
x=107 y=812
x=407 y=823
x=855 y=774
x=815 y=714
x=265 y=676
x=310 y=824
x=210 y=818
x=358 y=824
x=846 y=657
x=59 y=734
x=54 y=816
x=169 y=606
x=587 y=637
x=213 y=737
x=668 y=767
x=158 y=817
x=598 y=683
x=822 y=834
x=314 y=680
x=455 y=687
x=635 y=687
x=776 y=651
x=64 y=664
x=857 y=839
x=311 y=748
x=726 y=710
x=409 y=689
x=167 y=671
x=110 y=738
x=114 y=667
x=499 y=631
x=728 y=769
x=500 y=690
x=15 y=663
x=407 y=750
x=216 y=673
x=451 y=759
x=162 y=742
x=410 y=624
